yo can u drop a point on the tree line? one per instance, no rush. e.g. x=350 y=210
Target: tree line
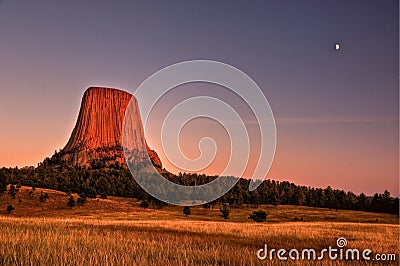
x=119 y=182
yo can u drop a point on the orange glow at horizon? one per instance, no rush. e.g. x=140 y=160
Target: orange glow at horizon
x=315 y=157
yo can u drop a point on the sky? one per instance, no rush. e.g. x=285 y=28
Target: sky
x=336 y=111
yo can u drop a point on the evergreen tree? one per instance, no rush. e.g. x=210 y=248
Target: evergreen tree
x=3 y=183
x=362 y=202
x=225 y=212
x=41 y=198
x=273 y=197
x=144 y=204
x=187 y=211
x=71 y=202
x=13 y=191
x=82 y=199
x=10 y=208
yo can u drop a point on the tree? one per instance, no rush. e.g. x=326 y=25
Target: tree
x=187 y=211
x=3 y=183
x=258 y=216
x=144 y=204
x=274 y=197
x=362 y=202
x=207 y=206
x=225 y=211
x=10 y=208
x=158 y=203
x=71 y=202
x=329 y=197
x=298 y=197
x=42 y=198
x=81 y=200
x=90 y=192
x=13 y=191
x=255 y=198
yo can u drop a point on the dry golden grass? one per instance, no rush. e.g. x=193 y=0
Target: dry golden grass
x=53 y=241
x=116 y=231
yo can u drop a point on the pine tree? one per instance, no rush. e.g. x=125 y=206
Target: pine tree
x=187 y=211
x=225 y=212
x=10 y=208
x=144 y=204
x=71 y=202
x=3 y=183
x=13 y=191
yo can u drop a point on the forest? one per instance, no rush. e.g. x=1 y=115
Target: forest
x=118 y=181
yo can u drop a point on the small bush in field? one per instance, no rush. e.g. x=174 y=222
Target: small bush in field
x=187 y=211
x=81 y=200
x=10 y=208
x=71 y=202
x=258 y=216
x=144 y=204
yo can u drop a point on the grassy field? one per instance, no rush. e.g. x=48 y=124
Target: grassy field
x=116 y=231
x=53 y=241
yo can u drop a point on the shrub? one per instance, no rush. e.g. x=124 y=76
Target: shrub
x=81 y=200
x=187 y=211
x=71 y=202
x=144 y=204
x=10 y=208
x=258 y=216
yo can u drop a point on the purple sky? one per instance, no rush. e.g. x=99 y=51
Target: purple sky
x=336 y=111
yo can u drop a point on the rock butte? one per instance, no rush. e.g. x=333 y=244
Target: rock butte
x=97 y=136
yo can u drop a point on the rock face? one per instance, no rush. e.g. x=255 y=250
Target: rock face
x=97 y=137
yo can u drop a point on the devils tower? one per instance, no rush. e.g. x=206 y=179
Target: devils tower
x=96 y=139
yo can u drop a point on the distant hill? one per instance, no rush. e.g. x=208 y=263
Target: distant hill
x=28 y=204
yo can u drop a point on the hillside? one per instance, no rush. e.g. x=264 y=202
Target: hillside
x=116 y=231
x=121 y=208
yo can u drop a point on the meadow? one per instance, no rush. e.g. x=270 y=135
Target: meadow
x=116 y=231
